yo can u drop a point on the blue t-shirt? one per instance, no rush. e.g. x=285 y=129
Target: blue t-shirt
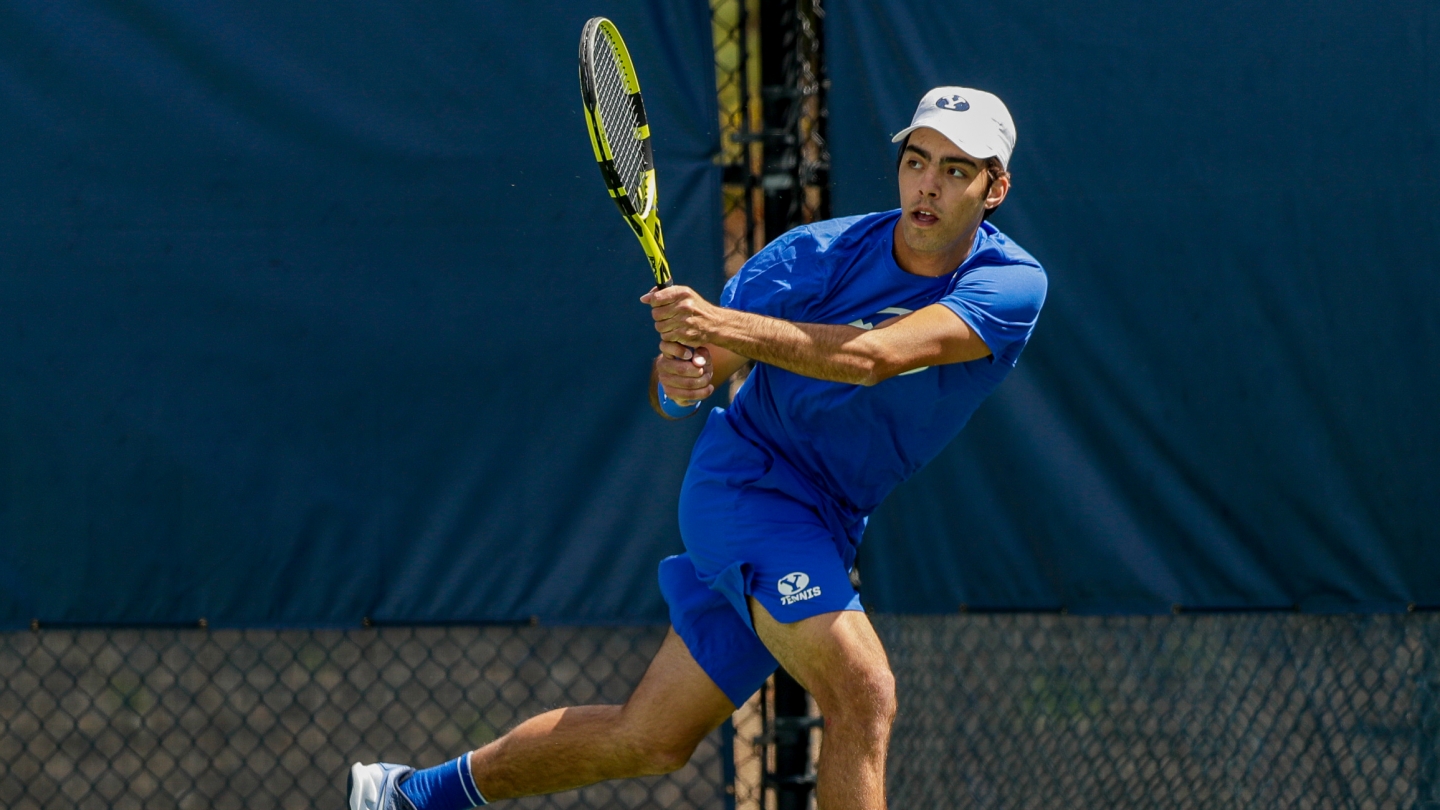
x=845 y=447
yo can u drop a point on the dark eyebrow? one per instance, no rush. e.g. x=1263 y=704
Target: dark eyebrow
x=922 y=153
x=917 y=150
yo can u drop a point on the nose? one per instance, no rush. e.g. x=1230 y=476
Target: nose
x=929 y=183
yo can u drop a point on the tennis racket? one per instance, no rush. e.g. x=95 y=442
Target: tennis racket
x=620 y=134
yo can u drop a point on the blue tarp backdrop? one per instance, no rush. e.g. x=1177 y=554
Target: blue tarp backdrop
x=313 y=312
x=1231 y=399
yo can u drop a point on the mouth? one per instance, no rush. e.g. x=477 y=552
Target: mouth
x=924 y=217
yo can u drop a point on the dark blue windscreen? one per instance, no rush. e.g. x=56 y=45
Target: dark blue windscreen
x=314 y=312
x=1231 y=399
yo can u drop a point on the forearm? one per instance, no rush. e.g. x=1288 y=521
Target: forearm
x=844 y=354
x=934 y=335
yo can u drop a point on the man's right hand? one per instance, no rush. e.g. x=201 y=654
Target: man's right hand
x=686 y=374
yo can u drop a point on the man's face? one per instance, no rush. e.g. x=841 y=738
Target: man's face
x=943 y=193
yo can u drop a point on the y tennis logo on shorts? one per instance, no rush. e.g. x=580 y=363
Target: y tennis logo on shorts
x=793 y=588
x=956 y=103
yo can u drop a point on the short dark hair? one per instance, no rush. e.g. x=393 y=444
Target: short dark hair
x=993 y=167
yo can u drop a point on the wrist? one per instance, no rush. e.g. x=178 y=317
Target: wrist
x=726 y=328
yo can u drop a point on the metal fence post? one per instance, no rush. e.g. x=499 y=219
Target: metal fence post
x=779 y=92
x=789 y=67
x=792 y=779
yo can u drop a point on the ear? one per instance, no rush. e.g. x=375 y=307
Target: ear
x=998 y=190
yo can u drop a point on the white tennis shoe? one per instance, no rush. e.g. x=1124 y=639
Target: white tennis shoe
x=377 y=787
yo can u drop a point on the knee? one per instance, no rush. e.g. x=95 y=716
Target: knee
x=865 y=699
x=880 y=689
x=656 y=757
x=649 y=751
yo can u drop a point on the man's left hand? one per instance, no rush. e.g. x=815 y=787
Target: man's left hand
x=682 y=316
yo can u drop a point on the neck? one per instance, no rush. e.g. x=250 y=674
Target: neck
x=931 y=263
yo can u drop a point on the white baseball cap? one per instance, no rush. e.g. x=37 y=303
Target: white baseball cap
x=974 y=120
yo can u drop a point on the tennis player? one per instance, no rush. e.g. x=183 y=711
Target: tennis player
x=874 y=339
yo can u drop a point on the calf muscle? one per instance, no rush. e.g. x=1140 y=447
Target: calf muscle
x=656 y=731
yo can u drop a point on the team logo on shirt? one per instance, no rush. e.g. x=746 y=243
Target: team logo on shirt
x=883 y=315
x=796 y=588
x=861 y=323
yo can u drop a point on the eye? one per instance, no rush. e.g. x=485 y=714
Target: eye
x=913 y=163
x=957 y=172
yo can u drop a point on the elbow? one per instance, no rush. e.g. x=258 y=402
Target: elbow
x=879 y=367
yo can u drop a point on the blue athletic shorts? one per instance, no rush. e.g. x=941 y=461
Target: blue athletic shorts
x=744 y=536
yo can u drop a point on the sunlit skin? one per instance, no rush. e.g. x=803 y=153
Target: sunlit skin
x=943 y=196
x=944 y=193
x=836 y=656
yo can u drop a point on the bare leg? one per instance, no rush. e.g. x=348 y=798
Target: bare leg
x=656 y=731
x=838 y=658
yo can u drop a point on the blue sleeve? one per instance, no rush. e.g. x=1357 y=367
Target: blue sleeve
x=779 y=281
x=1001 y=303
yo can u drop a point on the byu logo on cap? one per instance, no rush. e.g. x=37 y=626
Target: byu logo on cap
x=954 y=102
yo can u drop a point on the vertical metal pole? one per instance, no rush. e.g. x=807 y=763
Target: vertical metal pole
x=779 y=178
x=745 y=133
x=820 y=171
x=727 y=764
x=792 y=780
x=782 y=96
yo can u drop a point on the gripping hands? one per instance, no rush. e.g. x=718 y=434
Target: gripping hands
x=694 y=359
x=686 y=374
x=685 y=367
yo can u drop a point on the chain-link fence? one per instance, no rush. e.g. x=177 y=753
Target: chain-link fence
x=1189 y=711
x=736 y=29
x=997 y=711
x=811 y=116
x=793 y=138
x=254 y=719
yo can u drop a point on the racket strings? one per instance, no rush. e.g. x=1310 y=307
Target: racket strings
x=618 y=115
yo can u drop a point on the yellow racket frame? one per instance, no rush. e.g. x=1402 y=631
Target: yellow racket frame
x=644 y=223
